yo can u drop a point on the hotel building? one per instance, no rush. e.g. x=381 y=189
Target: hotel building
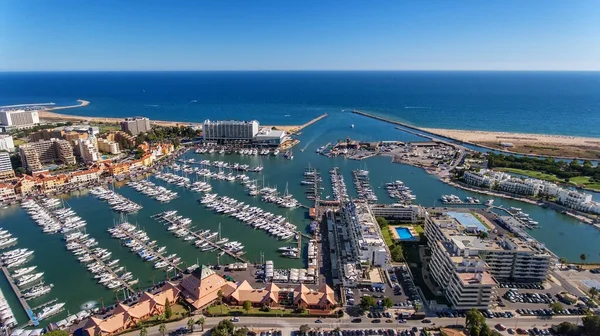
x=86 y=149
x=35 y=154
x=136 y=125
x=107 y=146
x=229 y=130
x=464 y=264
x=6 y=143
x=6 y=171
x=398 y=212
x=19 y=118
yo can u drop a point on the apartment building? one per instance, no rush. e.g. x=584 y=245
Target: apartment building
x=364 y=234
x=229 y=130
x=578 y=201
x=19 y=118
x=455 y=250
x=136 y=125
x=6 y=171
x=7 y=193
x=84 y=176
x=461 y=275
x=399 y=212
x=484 y=177
x=35 y=154
x=6 y=143
x=108 y=146
x=124 y=140
x=527 y=187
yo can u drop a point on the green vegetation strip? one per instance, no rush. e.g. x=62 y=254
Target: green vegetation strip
x=224 y=310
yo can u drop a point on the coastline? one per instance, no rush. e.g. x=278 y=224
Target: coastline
x=480 y=138
x=48 y=114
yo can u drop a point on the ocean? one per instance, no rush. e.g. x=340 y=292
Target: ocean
x=538 y=102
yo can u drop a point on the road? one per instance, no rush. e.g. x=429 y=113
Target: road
x=287 y=325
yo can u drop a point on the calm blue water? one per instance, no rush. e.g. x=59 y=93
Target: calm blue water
x=404 y=233
x=539 y=102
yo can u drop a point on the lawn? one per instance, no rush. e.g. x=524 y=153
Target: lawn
x=585 y=180
x=224 y=310
x=531 y=173
x=108 y=127
x=419 y=229
x=18 y=142
x=578 y=181
x=387 y=236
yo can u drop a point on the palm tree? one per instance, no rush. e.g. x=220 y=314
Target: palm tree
x=220 y=298
x=593 y=292
x=582 y=257
x=143 y=331
x=190 y=324
x=162 y=329
x=201 y=322
x=563 y=262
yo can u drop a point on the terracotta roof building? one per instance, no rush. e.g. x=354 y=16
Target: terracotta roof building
x=200 y=288
x=268 y=296
x=324 y=298
x=124 y=316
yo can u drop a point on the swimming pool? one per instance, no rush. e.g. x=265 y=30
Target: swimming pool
x=404 y=233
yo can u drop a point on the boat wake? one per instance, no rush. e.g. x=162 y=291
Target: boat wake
x=417 y=107
x=89 y=305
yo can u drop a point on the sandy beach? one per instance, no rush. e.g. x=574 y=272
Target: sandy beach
x=526 y=143
x=49 y=115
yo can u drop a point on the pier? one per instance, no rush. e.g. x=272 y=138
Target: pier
x=107 y=268
x=150 y=250
x=200 y=237
x=308 y=124
x=32 y=318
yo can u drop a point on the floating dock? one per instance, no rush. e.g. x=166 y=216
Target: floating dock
x=32 y=318
x=200 y=237
x=151 y=250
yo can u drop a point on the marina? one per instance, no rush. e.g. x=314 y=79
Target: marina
x=205 y=240
x=138 y=242
x=556 y=230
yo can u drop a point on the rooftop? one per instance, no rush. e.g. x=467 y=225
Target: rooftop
x=484 y=278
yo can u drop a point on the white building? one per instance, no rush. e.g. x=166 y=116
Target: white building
x=530 y=187
x=19 y=118
x=398 y=212
x=6 y=143
x=86 y=149
x=5 y=164
x=229 y=130
x=578 y=201
x=269 y=137
x=484 y=177
x=517 y=259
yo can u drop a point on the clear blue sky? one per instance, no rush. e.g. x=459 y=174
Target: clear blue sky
x=53 y=35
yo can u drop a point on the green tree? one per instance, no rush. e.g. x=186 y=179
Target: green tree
x=144 y=331
x=582 y=257
x=593 y=292
x=366 y=302
x=591 y=325
x=243 y=331
x=567 y=329
x=220 y=299
x=304 y=329
x=201 y=321
x=397 y=253
x=247 y=305
x=168 y=309
x=556 y=307
x=224 y=328
x=387 y=302
x=383 y=223
x=57 y=333
x=162 y=329
x=190 y=324
x=563 y=262
x=485 y=330
x=473 y=321
x=417 y=306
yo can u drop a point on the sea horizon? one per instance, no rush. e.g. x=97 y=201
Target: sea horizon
x=540 y=102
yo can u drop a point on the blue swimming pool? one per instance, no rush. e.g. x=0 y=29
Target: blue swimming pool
x=404 y=233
